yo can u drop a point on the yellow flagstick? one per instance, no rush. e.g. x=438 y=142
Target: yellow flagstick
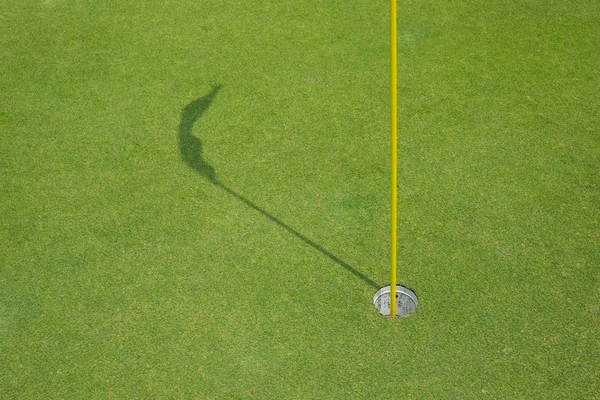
x=394 y=153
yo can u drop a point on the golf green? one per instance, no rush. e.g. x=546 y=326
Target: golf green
x=195 y=200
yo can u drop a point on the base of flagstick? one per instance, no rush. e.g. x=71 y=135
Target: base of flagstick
x=406 y=301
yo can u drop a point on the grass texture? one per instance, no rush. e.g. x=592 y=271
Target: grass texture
x=194 y=200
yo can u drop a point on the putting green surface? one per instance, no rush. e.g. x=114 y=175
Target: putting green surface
x=194 y=200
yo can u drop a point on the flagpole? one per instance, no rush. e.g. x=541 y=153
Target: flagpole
x=394 y=154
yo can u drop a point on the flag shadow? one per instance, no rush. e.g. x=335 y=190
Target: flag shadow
x=190 y=148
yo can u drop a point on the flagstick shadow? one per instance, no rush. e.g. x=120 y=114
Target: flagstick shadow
x=190 y=148
x=298 y=235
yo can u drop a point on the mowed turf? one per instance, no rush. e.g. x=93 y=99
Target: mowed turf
x=126 y=272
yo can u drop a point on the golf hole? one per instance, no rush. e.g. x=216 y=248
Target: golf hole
x=406 y=301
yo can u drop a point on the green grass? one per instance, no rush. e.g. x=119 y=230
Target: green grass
x=125 y=273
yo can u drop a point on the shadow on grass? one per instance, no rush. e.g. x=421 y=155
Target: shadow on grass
x=190 y=148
